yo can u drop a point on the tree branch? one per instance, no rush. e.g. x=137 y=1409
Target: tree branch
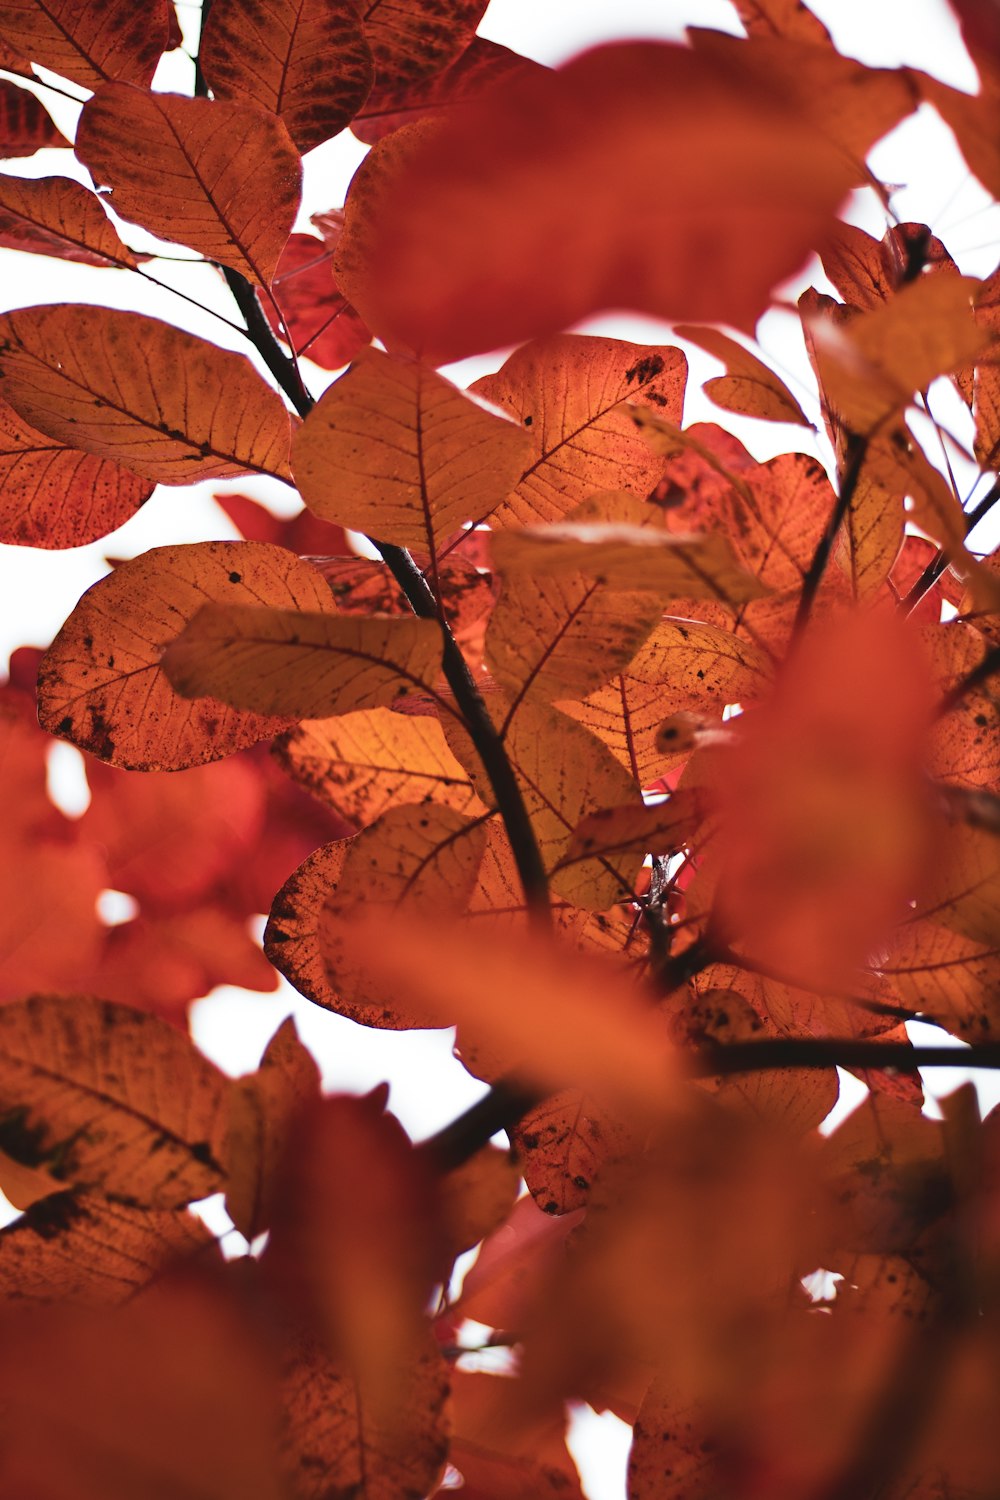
x=857 y=449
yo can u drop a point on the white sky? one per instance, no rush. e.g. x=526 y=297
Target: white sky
x=38 y=589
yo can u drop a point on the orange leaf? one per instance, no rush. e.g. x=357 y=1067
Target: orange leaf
x=303 y=666
x=395 y=450
x=476 y=1198
x=414 y=38
x=308 y=62
x=563 y=1143
x=109 y=1098
x=497 y=1464
x=457 y=241
x=49 y=931
x=55 y=496
x=748 y=385
x=166 y=405
x=91 y=42
x=782 y=18
x=101 y=683
x=566 y=393
x=321 y=322
x=223 y=178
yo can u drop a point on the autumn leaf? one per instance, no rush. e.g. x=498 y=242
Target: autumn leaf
x=300 y=665
x=25 y=126
x=109 y=1098
x=57 y=216
x=88 y=43
x=102 y=683
x=395 y=450
x=748 y=386
x=363 y=763
x=234 y=176
x=52 y=495
x=321 y=323
x=497 y=1463
x=49 y=930
x=789 y=18
x=415 y=38
x=142 y=393
x=308 y=63
x=563 y=1143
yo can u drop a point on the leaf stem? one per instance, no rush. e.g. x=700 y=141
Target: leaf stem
x=856 y=451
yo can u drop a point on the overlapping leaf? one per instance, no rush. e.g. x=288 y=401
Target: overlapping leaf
x=223 y=178
x=299 y=665
x=321 y=323
x=88 y=43
x=395 y=450
x=749 y=386
x=566 y=393
x=102 y=684
x=166 y=405
x=412 y=39
x=57 y=216
x=482 y=65
x=25 y=125
x=305 y=60
x=109 y=1098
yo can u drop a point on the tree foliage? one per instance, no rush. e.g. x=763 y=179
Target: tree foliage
x=668 y=776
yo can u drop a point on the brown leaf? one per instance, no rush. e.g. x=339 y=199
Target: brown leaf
x=394 y=449
x=748 y=386
x=222 y=178
x=57 y=216
x=301 y=665
x=25 y=126
x=262 y=1113
x=321 y=322
x=414 y=38
x=481 y=66
x=54 y=496
x=462 y=246
x=336 y=1445
x=363 y=763
x=109 y=1098
x=88 y=43
x=566 y=392
x=101 y=684
x=308 y=62
x=166 y=405
x=81 y=1248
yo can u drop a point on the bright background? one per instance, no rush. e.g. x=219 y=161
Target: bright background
x=39 y=589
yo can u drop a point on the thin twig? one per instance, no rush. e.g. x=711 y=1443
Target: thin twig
x=857 y=449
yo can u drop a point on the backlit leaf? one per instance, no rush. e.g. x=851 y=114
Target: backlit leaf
x=308 y=62
x=789 y=18
x=52 y=495
x=954 y=979
x=322 y=323
x=223 y=178
x=395 y=450
x=101 y=683
x=499 y=1463
x=49 y=931
x=107 y=1097
x=470 y=250
x=88 y=43
x=79 y=1247
x=413 y=38
x=164 y=404
x=57 y=216
x=748 y=385
x=25 y=125
x=476 y=1197
x=303 y=666
x=363 y=763
x=563 y=1142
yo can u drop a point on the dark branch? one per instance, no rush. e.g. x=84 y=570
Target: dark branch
x=857 y=449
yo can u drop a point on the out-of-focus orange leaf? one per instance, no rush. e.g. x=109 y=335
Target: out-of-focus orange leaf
x=167 y=405
x=88 y=43
x=498 y=1287
x=223 y=178
x=101 y=683
x=363 y=763
x=631 y=557
x=782 y=18
x=172 y=1395
x=477 y=1197
x=748 y=386
x=307 y=62
x=57 y=216
x=336 y=1441
x=481 y=66
x=395 y=450
x=109 y=1098
x=49 y=932
x=262 y=1112
x=301 y=665
x=495 y=1463
x=322 y=324
x=412 y=39
x=456 y=241
x=77 y=1247
x=566 y=392
x=556 y=1018
x=25 y=126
